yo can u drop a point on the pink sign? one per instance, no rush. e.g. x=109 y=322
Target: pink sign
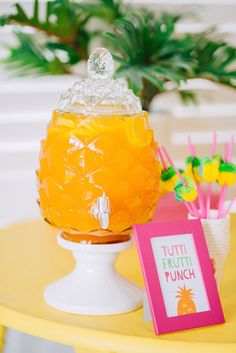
x=178 y=274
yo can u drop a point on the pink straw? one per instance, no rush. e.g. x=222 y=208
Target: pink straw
x=161 y=158
x=192 y=151
x=208 y=201
x=193 y=210
x=231 y=148
x=208 y=197
x=165 y=167
x=191 y=147
x=221 y=201
x=200 y=200
x=172 y=164
x=228 y=151
x=190 y=210
x=213 y=146
x=229 y=207
x=221 y=212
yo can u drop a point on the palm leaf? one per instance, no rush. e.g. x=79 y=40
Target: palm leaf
x=216 y=60
x=4 y=20
x=72 y=56
x=107 y=10
x=64 y=19
x=65 y=26
x=149 y=52
x=30 y=58
x=132 y=74
x=147 y=48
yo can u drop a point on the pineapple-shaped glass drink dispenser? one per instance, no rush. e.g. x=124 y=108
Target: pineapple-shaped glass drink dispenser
x=98 y=172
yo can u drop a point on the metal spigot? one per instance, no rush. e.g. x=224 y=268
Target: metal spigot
x=102 y=210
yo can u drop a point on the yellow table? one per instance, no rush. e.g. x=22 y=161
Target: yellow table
x=30 y=259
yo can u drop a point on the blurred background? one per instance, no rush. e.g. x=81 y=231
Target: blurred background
x=26 y=102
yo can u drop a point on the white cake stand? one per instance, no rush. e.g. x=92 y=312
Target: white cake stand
x=94 y=287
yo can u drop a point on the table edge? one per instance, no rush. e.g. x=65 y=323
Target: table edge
x=82 y=337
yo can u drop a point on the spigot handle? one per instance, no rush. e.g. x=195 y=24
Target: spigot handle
x=104 y=219
x=102 y=210
x=103 y=203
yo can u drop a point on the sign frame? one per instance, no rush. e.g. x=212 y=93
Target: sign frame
x=143 y=233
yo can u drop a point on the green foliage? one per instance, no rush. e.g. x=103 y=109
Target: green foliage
x=64 y=20
x=4 y=20
x=147 y=50
x=107 y=10
x=34 y=59
x=148 y=53
x=188 y=96
x=214 y=60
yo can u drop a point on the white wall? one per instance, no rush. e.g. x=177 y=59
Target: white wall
x=25 y=109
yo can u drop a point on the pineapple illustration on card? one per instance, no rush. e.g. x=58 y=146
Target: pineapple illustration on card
x=186 y=304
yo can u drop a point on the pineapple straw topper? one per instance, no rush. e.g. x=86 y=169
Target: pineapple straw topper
x=217 y=170
x=187 y=191
x=208 y=169
x=227 y=176
x=197 y=177
x=184 y=187
x=168 y=178
x=193 y=168
x=168 y=175
x=186 y=303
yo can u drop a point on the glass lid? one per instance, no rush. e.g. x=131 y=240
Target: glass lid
x=100 y=93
